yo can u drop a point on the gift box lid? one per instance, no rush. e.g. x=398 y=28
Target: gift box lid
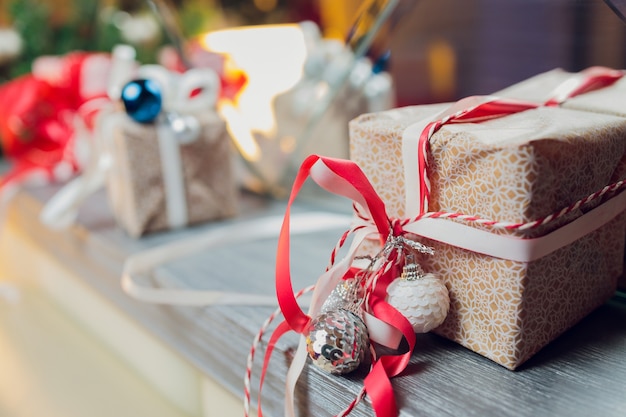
x=516 y=168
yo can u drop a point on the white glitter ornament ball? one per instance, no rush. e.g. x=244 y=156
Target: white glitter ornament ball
x=422 y=298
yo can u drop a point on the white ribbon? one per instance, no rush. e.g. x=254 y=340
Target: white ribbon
x=563 y=91
x=511 y=247
x=173 y=179
x=61 y=210
x=146 y=261
x=515 y=248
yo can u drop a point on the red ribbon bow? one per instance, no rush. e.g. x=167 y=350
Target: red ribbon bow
x=345 y=178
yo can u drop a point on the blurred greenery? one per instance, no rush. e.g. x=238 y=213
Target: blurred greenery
x=196 y=17
x=87 y=27
x=56 y=27
x=46 y=28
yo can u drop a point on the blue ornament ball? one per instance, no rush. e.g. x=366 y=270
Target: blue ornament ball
x=142 y=100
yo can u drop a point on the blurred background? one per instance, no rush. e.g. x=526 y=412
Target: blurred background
x=440 y=50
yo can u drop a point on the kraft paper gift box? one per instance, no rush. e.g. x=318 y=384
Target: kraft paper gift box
x=518 y=168
x=136 y=182
x=542 y=87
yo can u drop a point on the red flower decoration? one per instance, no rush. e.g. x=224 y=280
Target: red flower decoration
x=38 y=112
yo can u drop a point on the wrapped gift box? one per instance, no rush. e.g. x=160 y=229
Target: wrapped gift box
x=135 y=182
x=542 y=87
x=518 y=168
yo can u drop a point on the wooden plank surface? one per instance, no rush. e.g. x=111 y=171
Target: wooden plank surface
x=580 y=374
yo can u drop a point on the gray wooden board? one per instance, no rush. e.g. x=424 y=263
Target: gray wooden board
x=582 y=373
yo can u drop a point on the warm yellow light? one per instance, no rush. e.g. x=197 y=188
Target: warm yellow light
x=272 y=57
x=442 y=69
x=265 y=5
x=287 y=144
x=240 y=130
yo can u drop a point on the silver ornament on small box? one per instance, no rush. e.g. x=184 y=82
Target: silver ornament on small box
x=337 y=340
x=421 y=297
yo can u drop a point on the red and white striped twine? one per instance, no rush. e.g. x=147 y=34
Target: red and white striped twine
x=434 y=127
x=255 y=345
x=521 y=226
x=615 y=187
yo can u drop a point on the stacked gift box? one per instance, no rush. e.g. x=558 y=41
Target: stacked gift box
x=513 y=169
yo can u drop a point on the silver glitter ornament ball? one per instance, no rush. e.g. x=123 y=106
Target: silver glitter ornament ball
x=337 y=341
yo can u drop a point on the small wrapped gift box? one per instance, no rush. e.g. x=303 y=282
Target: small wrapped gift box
x=516 y=169
x=167 y=152
x=143 y=191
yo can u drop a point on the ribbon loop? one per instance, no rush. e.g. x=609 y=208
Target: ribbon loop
x=198 y=89
x=194 y=90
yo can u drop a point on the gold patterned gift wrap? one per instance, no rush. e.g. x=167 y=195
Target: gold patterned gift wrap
x=607 y=95
x=144 y=184
x=517 y=168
